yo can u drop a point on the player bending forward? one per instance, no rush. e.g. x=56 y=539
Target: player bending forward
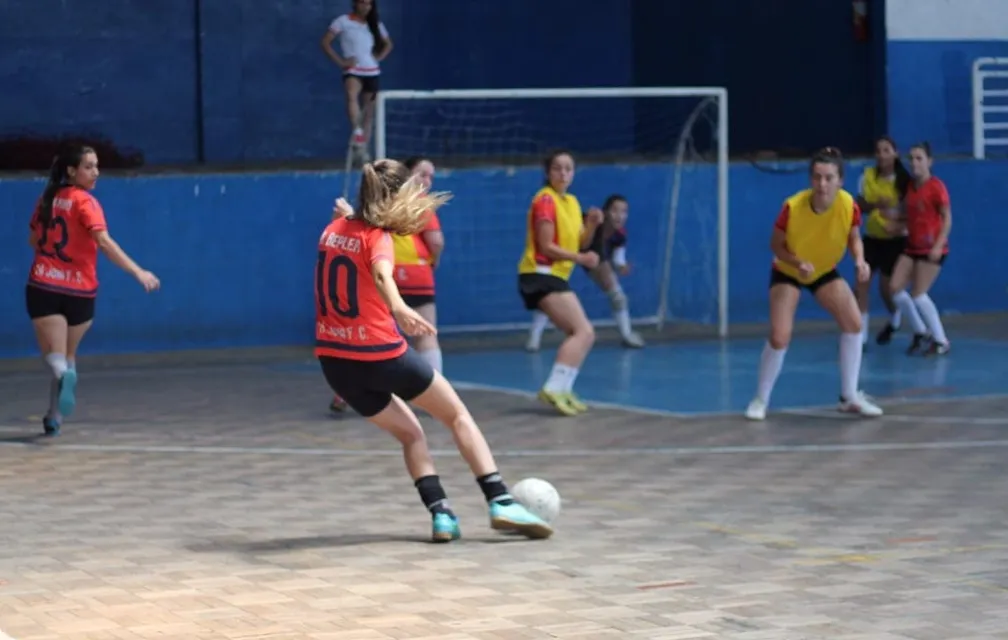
x=609 y=242
x=813 y=231
x=368 y=363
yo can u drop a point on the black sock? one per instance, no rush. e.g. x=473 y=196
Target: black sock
x=433 y=495
x=494 y=488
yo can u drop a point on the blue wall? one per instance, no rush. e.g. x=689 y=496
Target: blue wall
x=236 y=253
x=930 y=52
x=254 y=85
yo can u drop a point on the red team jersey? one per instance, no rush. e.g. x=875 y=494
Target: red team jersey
x=66 y=254
x=414 y=273
x=351 y=319
x=924 y=204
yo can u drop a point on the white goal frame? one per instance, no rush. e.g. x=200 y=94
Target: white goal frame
x=720 y=94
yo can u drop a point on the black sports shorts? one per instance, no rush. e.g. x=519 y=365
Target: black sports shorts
x=881 y=254
x=41 y=303
x=368 y=387
x=533 y=287
x=776 y=277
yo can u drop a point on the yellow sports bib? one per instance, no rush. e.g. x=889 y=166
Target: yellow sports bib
x=818 y=238
x=566 y=234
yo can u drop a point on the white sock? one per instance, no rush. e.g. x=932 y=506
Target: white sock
x=623 y=321
x=433 y=357
x=539 y=322
x=909 y=309
x=850 y=364
x=572 y=374
x=559 y=378
x=771 y=362
x=929 y=312
x=57 y=364
x=864 y=327
x=896 y=318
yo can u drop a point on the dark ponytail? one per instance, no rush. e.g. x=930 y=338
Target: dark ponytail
x=57 y=180
x=374 y=26
x=903 y=177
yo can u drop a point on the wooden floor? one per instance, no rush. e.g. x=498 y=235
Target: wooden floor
x=221 y=502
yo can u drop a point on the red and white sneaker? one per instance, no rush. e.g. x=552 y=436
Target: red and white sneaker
x=338 y=405
x=861 y=404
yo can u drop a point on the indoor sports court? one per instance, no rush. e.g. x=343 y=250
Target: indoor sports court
x=216 y=499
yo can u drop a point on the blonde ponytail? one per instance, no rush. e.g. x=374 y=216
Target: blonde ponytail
x=391 y=199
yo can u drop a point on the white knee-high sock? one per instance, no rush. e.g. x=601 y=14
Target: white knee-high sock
x=850 y=364
x=771 y=363
x=909 y=310
x=433 y=357
x=864 y=327
x=539 y=322
x=929 y=312
x=57 y=364
x=561 y=379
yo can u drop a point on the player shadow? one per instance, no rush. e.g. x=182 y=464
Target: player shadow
x=37 y=439
x=306 y=543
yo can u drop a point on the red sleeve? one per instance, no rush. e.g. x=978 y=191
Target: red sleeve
x=856 y=219
x=782 y=217
x=433 y=224
x=381 y=248
x=941 y=195
x=544 y=209
x=91 y=215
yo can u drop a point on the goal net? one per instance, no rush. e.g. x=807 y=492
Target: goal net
x=664 y=149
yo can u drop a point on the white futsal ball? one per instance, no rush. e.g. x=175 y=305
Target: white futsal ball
x=539 y=497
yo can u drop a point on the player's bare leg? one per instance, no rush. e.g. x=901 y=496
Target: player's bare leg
x=368 y=100
x=605 y=277
x=353 y=89
x=441 y=401
x=783 y=303
x=565 y=311
x=836 y=297
x=402 y=423
x=427 y=346
x=862 y=291
x=54 y=339
x=901 y=277
x=924 y=275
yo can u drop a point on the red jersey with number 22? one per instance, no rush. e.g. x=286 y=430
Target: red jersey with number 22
x=924 y=205
x=351 y=319
x=66 y=254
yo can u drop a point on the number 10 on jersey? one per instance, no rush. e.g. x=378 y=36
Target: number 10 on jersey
x=336 y=286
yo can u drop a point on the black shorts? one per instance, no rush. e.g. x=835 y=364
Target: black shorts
x=776 y=277
x=923 y=257
x=368 y=387
x=369 y=84
x=533 y=287
x=413 y=300
x=597 y=246
x=881 y=254
x=41 y=303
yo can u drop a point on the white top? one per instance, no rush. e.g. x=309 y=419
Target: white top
x=619 y=256
x=356 y=42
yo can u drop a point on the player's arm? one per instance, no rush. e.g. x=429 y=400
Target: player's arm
x=115 y=253
x=590 y=226
x=382 y=258
x=327 y=45
x=854 y=244
x=388 y=43
x=433 y=238
x=944 y=206
x=778 y=240
x=861 y=200
x=544 y=231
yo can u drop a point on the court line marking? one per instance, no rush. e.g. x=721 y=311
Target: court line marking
x=866 y=447
x=971 y=421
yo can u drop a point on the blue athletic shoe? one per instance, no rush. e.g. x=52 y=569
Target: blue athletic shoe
x=515 y=517
x=51 y=426
x=67 y=399
x=445 y=528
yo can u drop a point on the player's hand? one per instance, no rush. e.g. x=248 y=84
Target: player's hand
x=349 y=63
x=148 y=281
x=935 y=255
x=412 y=323
x=595 y=216
x=588 y=259
x=805 y=269
x=863 y=271
x=341 y=209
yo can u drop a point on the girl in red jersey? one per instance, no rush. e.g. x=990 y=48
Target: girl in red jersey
x=929 y=221
x=813 y=231
x=66 y=231
x=366 y=360
x=416 y=257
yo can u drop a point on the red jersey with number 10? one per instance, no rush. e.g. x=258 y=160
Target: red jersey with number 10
x=66 y=254
x=351 y=319
x=924 y=204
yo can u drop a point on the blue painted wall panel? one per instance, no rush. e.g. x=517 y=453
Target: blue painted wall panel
x=235 y=253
